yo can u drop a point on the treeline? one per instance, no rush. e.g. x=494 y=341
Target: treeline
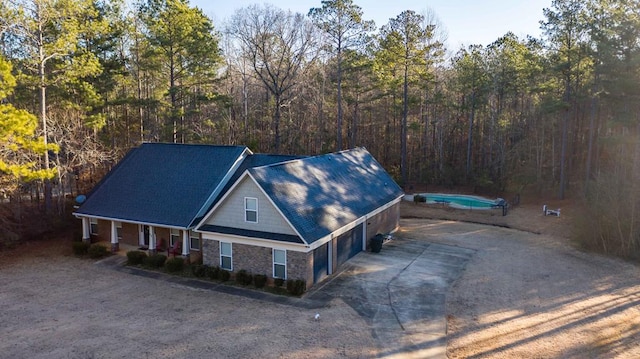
x=552 y=114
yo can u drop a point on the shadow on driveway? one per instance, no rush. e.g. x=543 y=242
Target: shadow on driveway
x=402 y=293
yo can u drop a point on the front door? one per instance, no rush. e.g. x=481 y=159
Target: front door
x=146 y=236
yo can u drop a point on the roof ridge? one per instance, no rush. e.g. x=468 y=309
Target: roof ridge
x=190 y=144
x=307 y=158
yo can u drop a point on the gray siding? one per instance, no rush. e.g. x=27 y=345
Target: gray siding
x=230 y=213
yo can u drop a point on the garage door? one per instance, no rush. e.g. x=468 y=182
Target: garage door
x=321 y=263
x=349 y=244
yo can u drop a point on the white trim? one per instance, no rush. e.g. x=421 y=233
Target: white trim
x=297 y=247
x=185 y=243
x=152 y=238
x=230 y=255
x=194 y=234
x=172 y=242
x=274 y=263
x=86 y=230
x=246 y=173
x=354 y=224
x=223 y=182
x=384 y=207
x=114 y=232
x=159 y=225
x=257 y=242
x=330 y=258
x=92 y=221
x=250 y=210
x=364 y=236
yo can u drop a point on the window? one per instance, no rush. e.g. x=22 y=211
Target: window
x=93 y=225
x=279 y=263
x=226 y=261
x=251 y=209
x=174 y=237
x=119 y=230
x=194 y=240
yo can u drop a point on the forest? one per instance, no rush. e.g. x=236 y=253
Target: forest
x=83 y=81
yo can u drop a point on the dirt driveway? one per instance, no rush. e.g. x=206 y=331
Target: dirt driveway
x=521 y=295
x=533 y=296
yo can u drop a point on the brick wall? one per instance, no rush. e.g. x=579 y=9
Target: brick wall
x=300 y=266
x=104 y=231
x=383 y=222
x=210 y=252
x=259 y=260
x=130 y=234
x=254 y=259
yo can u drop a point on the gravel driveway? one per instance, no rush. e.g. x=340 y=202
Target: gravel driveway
x=521 y=295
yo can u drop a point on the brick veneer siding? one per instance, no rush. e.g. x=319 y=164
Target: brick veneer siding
x=259 y=260
x=300 y=266
x=130 y=234
x=254 y=259
x=104 y=231
x=383 y=222
x=210 y=252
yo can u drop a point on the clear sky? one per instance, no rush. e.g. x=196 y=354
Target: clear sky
x=466 y=21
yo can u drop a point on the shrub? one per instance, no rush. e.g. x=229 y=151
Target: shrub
x=155 y=261
x=135 y=258
x=243 y=277
x=296 y=287
x=174 y=265
x=278 y=282
x=224 y=275
x=198 y=270
x=80 y=248
x=97 y=251
x=213 y=272
x=259 y=280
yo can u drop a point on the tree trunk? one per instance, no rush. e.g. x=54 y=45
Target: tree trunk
x=48 y=195
x=403 y=127
x=339 y=120
x=470 y=139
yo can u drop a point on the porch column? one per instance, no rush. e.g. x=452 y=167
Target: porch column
x=152 y=240
x=86 y=235
x=185 y=244
x=115 y=246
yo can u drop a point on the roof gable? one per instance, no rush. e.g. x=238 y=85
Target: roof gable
x=230 y=211
x=321 y=194
x=166 y=184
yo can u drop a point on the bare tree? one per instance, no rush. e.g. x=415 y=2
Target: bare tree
x=279 y=44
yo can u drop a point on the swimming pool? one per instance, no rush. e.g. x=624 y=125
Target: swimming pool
x=463 y=201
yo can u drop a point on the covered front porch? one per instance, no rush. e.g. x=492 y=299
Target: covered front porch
x=121 y=235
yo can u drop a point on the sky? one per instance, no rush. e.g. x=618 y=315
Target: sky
x=466 y=21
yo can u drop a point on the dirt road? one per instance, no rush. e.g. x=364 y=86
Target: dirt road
x=533 y=296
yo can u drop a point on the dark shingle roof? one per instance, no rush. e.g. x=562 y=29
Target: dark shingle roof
x=161 y=183
x=253 y=160
x=324 y=193
x=249 y=233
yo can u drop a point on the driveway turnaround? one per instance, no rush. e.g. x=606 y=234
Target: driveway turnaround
x=401 y=291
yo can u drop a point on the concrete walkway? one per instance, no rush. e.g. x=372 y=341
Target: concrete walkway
x=402 y=292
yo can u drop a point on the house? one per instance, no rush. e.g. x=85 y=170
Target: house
x=288 y=217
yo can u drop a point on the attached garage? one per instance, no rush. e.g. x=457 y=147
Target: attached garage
x=321 y=263
x=348 y=245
